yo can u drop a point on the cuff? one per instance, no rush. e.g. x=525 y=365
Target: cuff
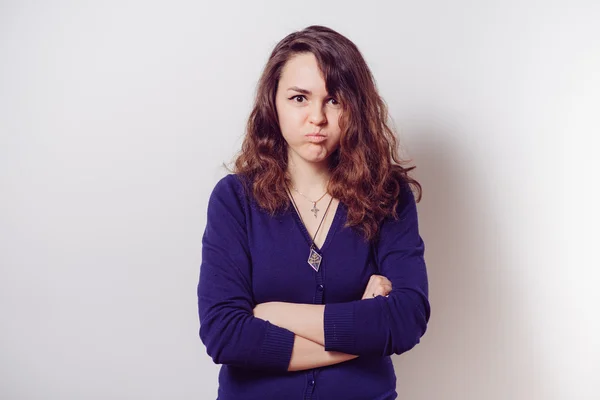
x=276 y=349
x=339 y=327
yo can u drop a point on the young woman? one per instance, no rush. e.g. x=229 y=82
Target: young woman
x=312 y=268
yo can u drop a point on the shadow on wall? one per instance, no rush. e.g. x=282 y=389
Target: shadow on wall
x=477 y=345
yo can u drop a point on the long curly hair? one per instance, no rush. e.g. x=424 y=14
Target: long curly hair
x=366 y=170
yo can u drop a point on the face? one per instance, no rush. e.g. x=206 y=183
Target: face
x=308 y=115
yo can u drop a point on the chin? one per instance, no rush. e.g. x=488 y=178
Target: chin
x=316 y=159
x=311 y=155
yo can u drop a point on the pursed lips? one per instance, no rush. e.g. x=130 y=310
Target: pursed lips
x=316 y=137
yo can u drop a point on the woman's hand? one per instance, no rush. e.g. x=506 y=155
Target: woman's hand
x=378 y=285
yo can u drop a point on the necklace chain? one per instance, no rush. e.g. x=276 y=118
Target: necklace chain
x=314 y=258
x=306 y=197
x=315 y=210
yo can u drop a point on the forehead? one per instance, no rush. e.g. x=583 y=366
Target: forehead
x=302 y=70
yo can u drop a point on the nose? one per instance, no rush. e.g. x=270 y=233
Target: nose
x=317 y=114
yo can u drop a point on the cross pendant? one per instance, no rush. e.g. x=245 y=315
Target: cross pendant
x=315 y=210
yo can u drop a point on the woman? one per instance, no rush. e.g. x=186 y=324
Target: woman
x=312 y=268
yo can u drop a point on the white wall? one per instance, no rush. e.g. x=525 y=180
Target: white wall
x=116 y=116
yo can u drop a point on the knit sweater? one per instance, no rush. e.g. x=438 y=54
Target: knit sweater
x=250 y=257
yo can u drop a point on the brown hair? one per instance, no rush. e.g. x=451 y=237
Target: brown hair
x=366 y=170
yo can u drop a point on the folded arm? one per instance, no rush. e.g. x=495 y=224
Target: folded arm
x=308 y=354
x=305 y=320
x=228 y=328
x=231 y=334
x=383 y=325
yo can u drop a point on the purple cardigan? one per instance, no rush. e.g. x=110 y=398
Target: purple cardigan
x=250 y=257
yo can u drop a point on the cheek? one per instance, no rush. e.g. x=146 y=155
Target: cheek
x=335 y=144
x=335 y=127
x=333 y=117
x=290 y=120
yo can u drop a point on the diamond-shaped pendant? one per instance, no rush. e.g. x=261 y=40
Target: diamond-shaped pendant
x=314 y=259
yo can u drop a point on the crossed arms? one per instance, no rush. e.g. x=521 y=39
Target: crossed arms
x=286 y=336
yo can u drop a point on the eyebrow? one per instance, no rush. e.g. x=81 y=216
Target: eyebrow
x=300 y=90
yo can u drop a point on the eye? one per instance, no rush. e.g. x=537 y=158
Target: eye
x=334 y=102
x=299 y=98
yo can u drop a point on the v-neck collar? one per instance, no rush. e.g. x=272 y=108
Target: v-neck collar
x=330 y=233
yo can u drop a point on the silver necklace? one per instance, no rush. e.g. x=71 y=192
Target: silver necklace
x=314 y=258
x=315 y=210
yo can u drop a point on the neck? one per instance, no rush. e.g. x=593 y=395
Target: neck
x=309 y=178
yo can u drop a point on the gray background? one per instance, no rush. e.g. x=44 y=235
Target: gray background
x=116 y=116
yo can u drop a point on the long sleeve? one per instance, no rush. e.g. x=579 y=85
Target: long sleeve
x=230 y=332
x=393 y=324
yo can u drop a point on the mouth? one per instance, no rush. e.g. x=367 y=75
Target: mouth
x=316 y=137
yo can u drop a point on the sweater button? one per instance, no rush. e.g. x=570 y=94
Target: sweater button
x=311 y=383
x=320 y=288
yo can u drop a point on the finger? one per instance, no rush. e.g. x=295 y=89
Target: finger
x=380 y=280
x=368 y=291
x=371 y=291
x=382 y=290
x=379 y=291
x=378 y=285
